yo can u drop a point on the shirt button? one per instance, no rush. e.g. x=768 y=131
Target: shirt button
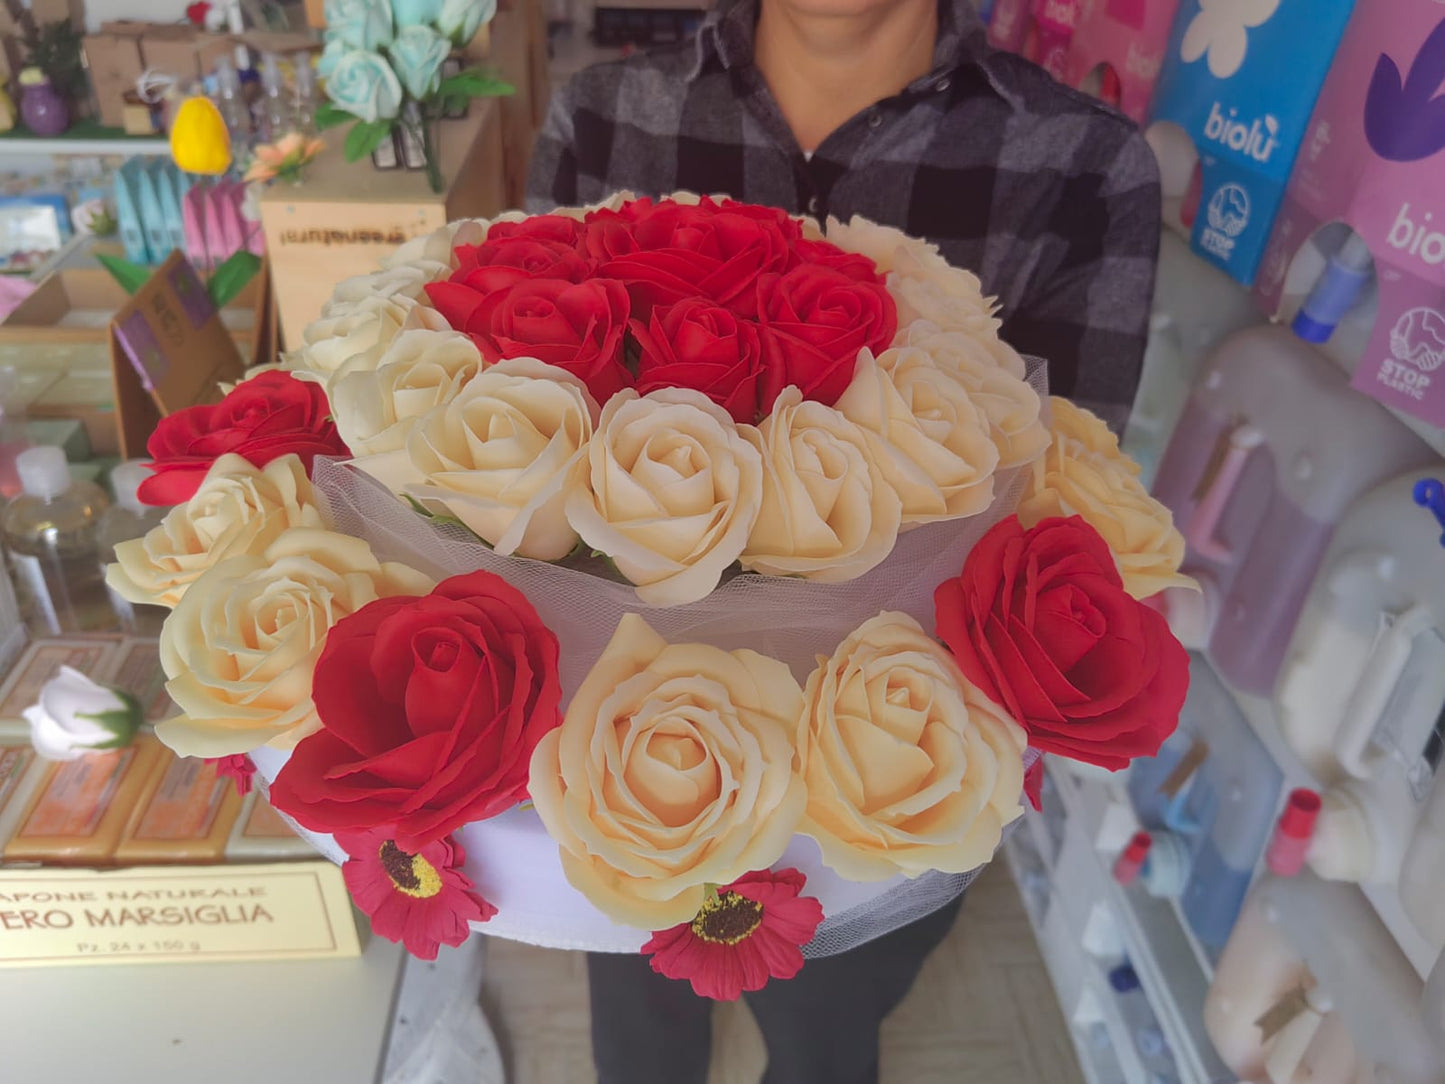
x=875 y=118
x=942 y=85
x=813 y=205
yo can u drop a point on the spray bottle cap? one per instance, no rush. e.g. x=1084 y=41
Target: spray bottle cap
x=125 y=482
x=1292 y=833
x=43 y=472
x=1430 y=494
x=270 y=71
x=1131 y=861
x=1346 y=275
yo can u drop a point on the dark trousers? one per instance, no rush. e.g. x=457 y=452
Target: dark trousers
x=820 y=1027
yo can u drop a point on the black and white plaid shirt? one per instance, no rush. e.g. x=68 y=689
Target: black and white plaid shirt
x=1051 y=197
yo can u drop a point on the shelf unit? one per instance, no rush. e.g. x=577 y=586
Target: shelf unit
x=82 y=139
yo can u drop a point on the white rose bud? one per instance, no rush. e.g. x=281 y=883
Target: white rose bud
x=76 y=716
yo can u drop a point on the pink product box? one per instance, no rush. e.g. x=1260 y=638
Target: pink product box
x=1009 y=24
x=1047 y=42
x=1374 y=159
x=1117 y=50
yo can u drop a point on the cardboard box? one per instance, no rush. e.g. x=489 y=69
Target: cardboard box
x=115 y=63
x=347 y=215
x=511 y=57
x=68 y=318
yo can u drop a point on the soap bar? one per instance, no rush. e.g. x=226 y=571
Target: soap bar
x=43 y=660
x=136 y=668
x=21 y=771
x=81 y=807
x=184 y=814
x=262 y=834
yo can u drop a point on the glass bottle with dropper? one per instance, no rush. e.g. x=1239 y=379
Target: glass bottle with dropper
x=126 y=520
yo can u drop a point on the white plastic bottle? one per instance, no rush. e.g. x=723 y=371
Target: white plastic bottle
x=1422 y=875
x=127 y=519
x=51 y=541
x=273 y=112
x=1363 y=682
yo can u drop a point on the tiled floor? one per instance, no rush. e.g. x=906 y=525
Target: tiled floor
x=982 y=1012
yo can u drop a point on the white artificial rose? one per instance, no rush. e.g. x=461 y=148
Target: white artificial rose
x=930 y=439
x=438 y=246
x=1010 y=403
x=673 y=771
x=502 y=455
x=884 y=245
x=405 y=280
x=241 y=646
x=671 y=490
x=828 y=513
x=421 y=369
x=239 y=509
x=76 y=716
x=909 y=767
x=353 y=338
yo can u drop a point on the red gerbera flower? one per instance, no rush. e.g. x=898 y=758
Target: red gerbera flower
x=237 y=768
x=750 y=931
x=423 y=900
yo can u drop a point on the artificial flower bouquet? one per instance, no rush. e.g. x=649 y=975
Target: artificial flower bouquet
x=670 y=576
x=384 y=66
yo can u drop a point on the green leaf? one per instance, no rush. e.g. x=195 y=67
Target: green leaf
x=231 y=276
x=475 y=83
x=131 y=276
x=330 y=115
x=365 y=137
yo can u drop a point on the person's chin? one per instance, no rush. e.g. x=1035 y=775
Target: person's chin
x=835 y=8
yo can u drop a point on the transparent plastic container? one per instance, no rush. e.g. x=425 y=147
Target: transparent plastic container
x=52 y=547
x=125 y=520
x=1257 y=475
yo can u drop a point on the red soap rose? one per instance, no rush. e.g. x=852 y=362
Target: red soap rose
x=430 y=708
x=495 y=265
x=705 y=250
x=697 y=344
x=854 y=265
x=558 y=228
x=574 y=326
x=1039 y=620
x=815 y=320
x=263 y=418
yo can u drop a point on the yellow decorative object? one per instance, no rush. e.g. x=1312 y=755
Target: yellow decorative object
x=7 y=112
x=199 y=140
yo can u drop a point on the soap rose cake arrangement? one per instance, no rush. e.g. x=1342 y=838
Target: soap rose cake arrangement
x=665 y=576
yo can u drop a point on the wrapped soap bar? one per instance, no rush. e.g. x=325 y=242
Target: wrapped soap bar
x=184 y=814
x=21 y=771
x=81 y=807
x=262 y=835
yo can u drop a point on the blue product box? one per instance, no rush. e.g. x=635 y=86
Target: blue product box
x=1240 y=79
x=128 y=213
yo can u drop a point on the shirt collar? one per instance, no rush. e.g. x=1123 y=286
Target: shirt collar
x=726 y=34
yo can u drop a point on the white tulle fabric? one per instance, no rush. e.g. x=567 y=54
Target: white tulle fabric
x=510 y=858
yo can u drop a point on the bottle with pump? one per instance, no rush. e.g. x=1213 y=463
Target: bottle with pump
x=52 y=544
x=125 y=520
x=1348 y=274
x=13 y=439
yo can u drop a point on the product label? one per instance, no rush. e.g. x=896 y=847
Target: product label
x=78 y=795
x=272 y=911
x=139 y=673
x=185 y=804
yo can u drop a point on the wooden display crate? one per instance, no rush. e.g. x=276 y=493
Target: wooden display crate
x=346 y=216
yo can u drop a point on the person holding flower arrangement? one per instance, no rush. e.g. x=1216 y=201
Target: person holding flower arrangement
x=896 y=110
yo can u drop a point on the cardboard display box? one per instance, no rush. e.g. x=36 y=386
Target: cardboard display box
x=115 y=63
x=63 y=329
x=346 y=216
